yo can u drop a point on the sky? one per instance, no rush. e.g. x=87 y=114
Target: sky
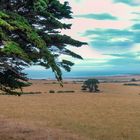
x=112 y=30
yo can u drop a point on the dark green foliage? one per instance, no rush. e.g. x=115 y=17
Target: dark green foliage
x=51 y=91
x=133 y=80
x=30 y=34
x=91 y=85
x=10 y=80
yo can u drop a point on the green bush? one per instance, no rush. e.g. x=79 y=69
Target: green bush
x=91 y=85
x=133 y=80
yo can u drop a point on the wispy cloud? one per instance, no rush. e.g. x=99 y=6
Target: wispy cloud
x=131 y=55
x=136 y=27
x=108 y=32
x=109 y=40
x=102 y=16
x=129 y=2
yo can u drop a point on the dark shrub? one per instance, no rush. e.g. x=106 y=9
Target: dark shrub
x=51 y=91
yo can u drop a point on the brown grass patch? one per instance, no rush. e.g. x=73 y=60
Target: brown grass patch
x=112 y=115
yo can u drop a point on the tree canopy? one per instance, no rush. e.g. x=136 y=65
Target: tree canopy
x=91 y=84
x=30 y=34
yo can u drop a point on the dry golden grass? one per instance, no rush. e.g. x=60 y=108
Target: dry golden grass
x=114 y=114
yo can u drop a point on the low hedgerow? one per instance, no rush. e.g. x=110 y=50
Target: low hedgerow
x=51 y=91
x=131 y=84
x=67 y=91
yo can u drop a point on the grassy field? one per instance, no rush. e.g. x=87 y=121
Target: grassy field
x=114 y=114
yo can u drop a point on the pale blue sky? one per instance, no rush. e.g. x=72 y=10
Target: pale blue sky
x=112 y=30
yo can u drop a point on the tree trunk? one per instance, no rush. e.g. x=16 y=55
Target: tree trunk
x=91 y=88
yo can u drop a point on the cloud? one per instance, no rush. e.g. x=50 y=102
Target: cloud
x=130 y=55
x=136 y=27
x=136 y=16
x=108 y=32
x=136 y=38
x=125 y=64
x=78 y=1
x=92 y=64
x=129 y=2
x=103 y=16
x=136 y=48
x=136 y=13
x=104 y=44
x=126 y=61
x=114 y=39
x=122 y=62
x=109 y=40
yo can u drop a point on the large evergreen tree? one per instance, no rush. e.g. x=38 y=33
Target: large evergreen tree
x=30 y=34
